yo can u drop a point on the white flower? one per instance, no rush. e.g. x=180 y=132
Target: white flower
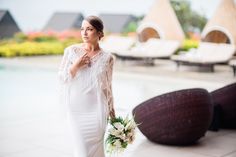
x=126 y=120
x=127 y=127
x=130 y=125
x=119 y=126
x=114 y=132
x=117 y=144
x=121 y=134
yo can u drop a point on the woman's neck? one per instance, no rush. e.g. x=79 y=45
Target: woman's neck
x=91 y=47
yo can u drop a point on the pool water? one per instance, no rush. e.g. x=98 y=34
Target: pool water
x=29 y=91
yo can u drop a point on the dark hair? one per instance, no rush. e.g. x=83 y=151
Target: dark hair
x=96 y=22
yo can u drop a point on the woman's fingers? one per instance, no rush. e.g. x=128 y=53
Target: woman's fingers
x=85 y=59
x=85 y=55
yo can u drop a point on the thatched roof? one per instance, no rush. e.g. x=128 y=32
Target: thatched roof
x=8 y=26
x=221 y=28
x=161 y=22
x=61 y=21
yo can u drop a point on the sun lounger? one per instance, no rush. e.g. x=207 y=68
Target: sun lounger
x=114 y=44
x=150 y=50
x=207 y=54
x=232 y=63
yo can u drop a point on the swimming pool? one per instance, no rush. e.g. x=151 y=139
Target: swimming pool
x=33 y=91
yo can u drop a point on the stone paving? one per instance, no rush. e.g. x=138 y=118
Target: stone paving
x=32 y=119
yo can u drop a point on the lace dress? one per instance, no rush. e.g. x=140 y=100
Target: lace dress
x=88 y=100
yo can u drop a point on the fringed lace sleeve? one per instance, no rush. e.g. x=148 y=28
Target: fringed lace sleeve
x=64 y=72
x=107 y=89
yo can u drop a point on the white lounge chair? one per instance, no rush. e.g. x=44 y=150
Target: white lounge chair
x=150 y=50
x=232 y=63
x=114 y=44
x=207 y=54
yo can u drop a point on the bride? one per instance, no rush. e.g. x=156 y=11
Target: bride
x=86 y=73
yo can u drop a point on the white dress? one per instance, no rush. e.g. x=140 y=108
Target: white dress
x=88 y=100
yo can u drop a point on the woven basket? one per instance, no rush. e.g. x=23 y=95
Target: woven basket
x=177 y=118
x=225 y=97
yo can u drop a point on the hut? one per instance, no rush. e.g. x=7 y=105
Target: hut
x=116 y=23
x=8 y=26
x=221 y=28
x=160 y=22
x=61 y=21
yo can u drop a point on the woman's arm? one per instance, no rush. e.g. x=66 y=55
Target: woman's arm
x=78 y=64
x=67 y=69
x=63 y=73
x=73 y=69
x=109 y=73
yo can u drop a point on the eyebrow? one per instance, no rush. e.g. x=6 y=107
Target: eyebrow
x=88 y=27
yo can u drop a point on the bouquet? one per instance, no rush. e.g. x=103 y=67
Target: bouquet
x=121 y=133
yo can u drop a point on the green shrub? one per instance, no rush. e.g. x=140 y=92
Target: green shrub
x=189 y=44
x=71 y=41
x=38 y=43
x=31 y=48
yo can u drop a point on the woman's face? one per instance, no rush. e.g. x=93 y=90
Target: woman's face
x=89 y=33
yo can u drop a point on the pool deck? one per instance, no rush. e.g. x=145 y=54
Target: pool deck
x=32 y=121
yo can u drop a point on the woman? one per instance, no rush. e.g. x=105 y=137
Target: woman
x=86 y=72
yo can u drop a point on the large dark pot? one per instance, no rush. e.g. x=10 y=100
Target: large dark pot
x=176 y=118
